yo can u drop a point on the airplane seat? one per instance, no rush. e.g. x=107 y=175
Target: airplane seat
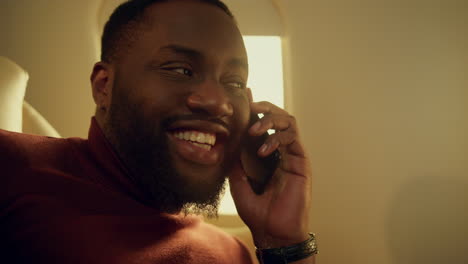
x=15 y=113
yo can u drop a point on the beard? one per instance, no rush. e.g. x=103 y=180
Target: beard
x=142 y=145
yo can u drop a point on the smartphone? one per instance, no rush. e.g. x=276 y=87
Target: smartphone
x=259 y=170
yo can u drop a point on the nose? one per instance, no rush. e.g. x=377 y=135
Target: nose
x=210 y=98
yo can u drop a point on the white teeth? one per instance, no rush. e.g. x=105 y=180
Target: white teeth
x=193 y=137
x=205 y=140
x=187 y=135
x=201 y=138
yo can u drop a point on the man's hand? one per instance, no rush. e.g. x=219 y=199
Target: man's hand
x=278 y=217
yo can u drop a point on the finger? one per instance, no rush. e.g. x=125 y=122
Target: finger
x=287 y=141
x=239 y=185
x=278 y=122
x=265 y=107
x=274 y=118
x=237 y=178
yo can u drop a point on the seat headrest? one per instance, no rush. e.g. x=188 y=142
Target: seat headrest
x=13 y=82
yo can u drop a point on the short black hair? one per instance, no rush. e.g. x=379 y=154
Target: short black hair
x=123 y=24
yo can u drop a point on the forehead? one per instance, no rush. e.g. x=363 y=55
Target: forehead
x=197 y=25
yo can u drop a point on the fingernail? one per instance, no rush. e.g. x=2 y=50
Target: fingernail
x=256 y=126
x=264 y=148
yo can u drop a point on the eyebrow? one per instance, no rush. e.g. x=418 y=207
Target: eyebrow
x=197 y=55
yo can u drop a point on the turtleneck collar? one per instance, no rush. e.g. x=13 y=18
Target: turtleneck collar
x=116 y=175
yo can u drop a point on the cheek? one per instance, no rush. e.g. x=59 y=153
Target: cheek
x=157 y=99
x=242 y=113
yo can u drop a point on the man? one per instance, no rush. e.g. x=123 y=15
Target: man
x=172 y=114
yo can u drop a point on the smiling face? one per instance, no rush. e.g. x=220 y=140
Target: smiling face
x=178 y=105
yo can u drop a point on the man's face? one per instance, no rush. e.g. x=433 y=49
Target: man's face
x=179 y=103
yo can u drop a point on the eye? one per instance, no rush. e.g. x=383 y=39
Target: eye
x=236 y=85
x=180 y=70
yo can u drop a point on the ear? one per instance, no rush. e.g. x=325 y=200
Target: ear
x=249 y=94
x=102 y=79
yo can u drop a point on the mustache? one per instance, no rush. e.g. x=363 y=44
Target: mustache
x=168 y=121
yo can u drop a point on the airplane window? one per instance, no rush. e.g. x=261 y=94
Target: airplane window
x=266 y=82
x=266 y=68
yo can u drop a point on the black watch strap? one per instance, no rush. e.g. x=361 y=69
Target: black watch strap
x=289 y=254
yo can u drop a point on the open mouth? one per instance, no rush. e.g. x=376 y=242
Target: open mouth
x=199 y=139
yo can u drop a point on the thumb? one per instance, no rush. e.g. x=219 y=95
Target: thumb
x=239 y=185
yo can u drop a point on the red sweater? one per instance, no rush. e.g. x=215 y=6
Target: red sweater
x=69 y=201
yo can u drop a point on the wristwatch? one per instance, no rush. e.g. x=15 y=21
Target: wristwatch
x=288 y=254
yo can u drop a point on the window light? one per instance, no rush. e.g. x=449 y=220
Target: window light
x=266 y=82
